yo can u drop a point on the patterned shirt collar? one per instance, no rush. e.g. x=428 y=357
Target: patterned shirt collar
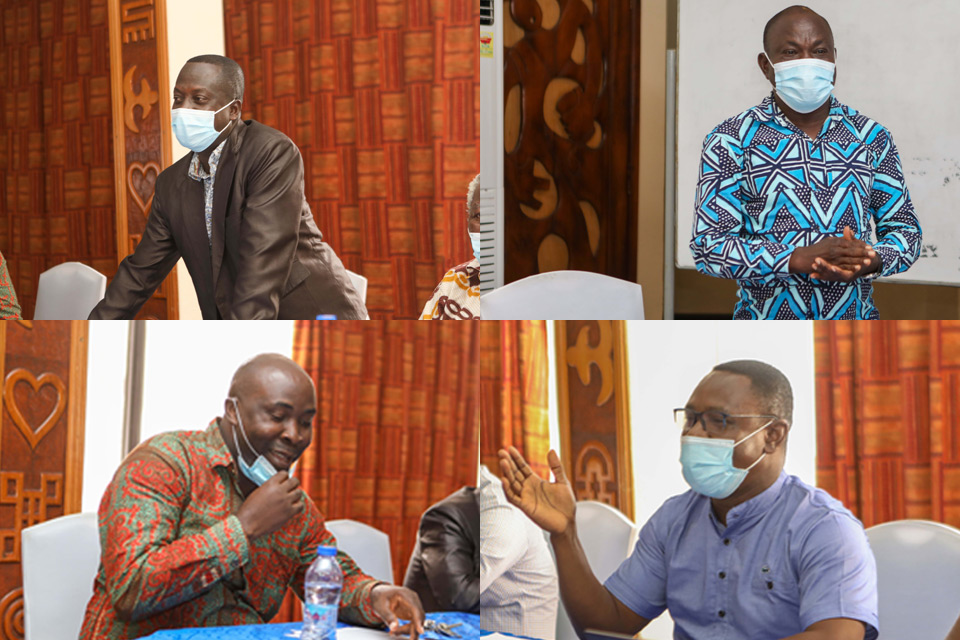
x=485 y=478
x=196 y=169
x=216 y=450
x=207 y=179
x=769 y=110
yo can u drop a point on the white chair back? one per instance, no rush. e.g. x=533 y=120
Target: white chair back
x=359 y=283
x=918 y=578
x=369 y=547
x=69 y=291
x=564 y=295
x=606 y=536
x=60 y=558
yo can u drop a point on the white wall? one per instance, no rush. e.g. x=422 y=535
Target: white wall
x=552 y=411
x=103 y=433
x=668 y=359
x=194 y=27
x=187 y=370
x=189 y=366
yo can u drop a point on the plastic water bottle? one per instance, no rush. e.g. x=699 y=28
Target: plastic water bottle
x=322 y=596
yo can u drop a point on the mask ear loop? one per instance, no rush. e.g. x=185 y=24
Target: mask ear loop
x=764 y=454
x=243 y=431
x=224 y=107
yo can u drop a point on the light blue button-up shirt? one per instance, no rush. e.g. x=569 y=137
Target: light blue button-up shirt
x=788 y=558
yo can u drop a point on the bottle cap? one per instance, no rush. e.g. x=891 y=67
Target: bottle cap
x=326 y=551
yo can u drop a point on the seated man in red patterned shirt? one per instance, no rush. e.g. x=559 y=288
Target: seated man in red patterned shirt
x=198 y=529
x=9 y=307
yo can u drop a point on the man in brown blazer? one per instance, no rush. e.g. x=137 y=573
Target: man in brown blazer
x=235 y=211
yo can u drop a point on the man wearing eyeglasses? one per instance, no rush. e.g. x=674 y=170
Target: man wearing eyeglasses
x=749 y=553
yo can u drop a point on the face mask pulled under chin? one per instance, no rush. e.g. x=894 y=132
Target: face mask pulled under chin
x=261 y=470
x=804 y=84
x=195 y=128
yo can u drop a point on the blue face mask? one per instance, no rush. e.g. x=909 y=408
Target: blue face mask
x=194 y=128
x=475 y=243
x=805 y=84
x=261 y=470
x=708 y=464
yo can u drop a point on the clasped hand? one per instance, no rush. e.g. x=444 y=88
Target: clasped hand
x=842 y=259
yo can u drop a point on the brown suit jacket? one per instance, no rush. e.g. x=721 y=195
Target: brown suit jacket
x=444 y=569
x=268 y=259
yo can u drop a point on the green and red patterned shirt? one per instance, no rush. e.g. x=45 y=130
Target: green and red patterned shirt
x=173 y=554
x=9 y=307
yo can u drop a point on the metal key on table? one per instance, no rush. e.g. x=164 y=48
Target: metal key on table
x=442 y=628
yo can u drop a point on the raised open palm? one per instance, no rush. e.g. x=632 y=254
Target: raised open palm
x=551 y=505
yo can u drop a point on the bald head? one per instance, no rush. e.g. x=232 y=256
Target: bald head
x=258 y=369
x=272 y=403
x=788 y=20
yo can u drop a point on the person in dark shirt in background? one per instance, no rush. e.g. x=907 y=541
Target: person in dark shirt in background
x=444 y=569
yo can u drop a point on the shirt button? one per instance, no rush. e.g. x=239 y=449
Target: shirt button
x=721 y=613
x=726 y=541
x=723 y=574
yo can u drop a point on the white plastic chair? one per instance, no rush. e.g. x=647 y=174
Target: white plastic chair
x=918 y=578
x=69 y=291
x=606 y=536
x=564 y=295
x=60 y=562
x=369 y=547
x=359 y=283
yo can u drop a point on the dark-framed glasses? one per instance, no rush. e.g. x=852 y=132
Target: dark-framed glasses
x=714 y=422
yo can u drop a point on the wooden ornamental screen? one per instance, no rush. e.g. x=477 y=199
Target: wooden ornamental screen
x=594 y=410
x=43 y=368
x=570 y=136
x=141 y=128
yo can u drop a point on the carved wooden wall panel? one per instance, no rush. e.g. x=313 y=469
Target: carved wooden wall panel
x=570 y=136
x=594 y=410
x=141 y=127
x=43 y=368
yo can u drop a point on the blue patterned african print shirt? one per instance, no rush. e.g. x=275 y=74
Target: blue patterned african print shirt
x=765 y=188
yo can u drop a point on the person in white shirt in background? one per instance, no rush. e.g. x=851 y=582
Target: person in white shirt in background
x=518 y=578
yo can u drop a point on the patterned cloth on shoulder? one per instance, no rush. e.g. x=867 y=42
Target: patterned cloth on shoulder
x=457 y=297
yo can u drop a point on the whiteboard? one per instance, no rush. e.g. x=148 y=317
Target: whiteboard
x=897 y=63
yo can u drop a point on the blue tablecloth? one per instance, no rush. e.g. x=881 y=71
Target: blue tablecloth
x=469 y=630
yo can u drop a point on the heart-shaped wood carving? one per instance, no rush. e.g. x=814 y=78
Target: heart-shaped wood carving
x=34 y=436
x=141 y=180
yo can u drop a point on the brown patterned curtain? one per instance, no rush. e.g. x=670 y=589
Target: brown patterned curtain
x=513 y=392
x=56 y=159
x=382 y=99
x=888 y=418
x=397 y=428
